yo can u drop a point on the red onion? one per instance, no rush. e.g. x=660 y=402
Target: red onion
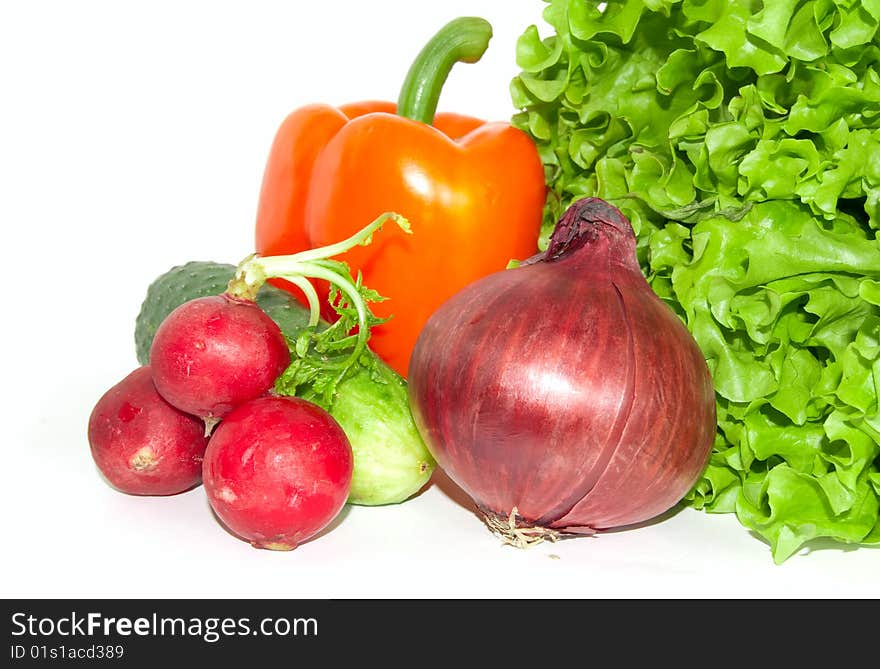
x=563 y=395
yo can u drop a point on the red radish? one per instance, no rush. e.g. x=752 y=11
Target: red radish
x=142 y=444
x=277 y=471
x=213 y=353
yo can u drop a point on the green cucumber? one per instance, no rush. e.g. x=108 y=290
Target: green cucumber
x=391 y=462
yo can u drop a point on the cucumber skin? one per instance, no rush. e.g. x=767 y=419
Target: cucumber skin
x=391 y=461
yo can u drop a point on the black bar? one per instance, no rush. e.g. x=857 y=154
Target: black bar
x=61 y=632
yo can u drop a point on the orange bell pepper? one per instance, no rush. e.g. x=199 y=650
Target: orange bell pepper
x=473 y=191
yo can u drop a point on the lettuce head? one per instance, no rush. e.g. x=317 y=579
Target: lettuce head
x=742 y=139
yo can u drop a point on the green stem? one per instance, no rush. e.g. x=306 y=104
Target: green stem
x=464 y=40
x=298 y=268
x=309 y=291
x=361 y=238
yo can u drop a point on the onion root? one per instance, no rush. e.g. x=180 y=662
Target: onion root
x=510 y=530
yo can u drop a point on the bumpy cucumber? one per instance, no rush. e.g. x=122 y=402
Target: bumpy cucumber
x=391 y=462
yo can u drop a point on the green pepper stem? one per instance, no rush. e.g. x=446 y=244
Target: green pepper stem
x=464 y=40
x=298 y=268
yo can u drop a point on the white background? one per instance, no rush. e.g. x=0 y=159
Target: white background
x=132 y=138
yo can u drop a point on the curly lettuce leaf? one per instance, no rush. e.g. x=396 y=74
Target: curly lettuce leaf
x=742 y=140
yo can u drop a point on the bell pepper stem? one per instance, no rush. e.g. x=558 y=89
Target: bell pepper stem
x=464 y=40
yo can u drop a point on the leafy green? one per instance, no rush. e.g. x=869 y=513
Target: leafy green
x=321 y=356
x=742 y=139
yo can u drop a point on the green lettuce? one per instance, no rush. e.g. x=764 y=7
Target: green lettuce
x=742 y=139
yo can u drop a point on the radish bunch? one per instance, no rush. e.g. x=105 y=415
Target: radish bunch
x=277 y=470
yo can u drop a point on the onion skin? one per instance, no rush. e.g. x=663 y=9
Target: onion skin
x=564 y=394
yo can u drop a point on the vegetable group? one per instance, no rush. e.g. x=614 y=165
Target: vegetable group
x=592 y=408
x=701 y=323
x=278 y=469
x=742 y=139
x=459 y=180
x=369 y=401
